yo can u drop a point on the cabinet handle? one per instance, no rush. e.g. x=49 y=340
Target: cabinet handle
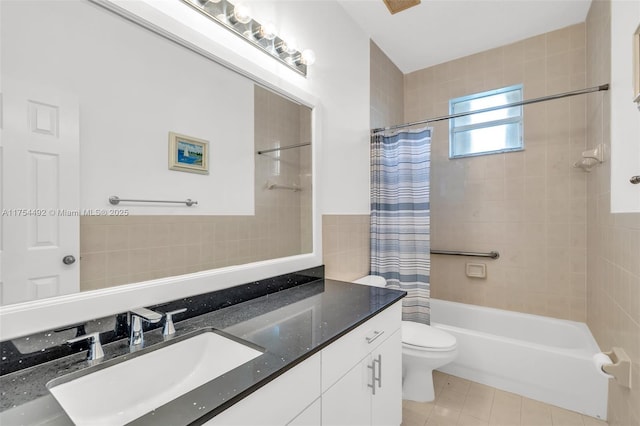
x=376 y=334
x=373 y=377
x=379 y=370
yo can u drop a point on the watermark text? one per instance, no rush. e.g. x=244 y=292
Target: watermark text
x=63 y=212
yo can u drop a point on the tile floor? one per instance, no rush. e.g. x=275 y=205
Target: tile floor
x=460 y=402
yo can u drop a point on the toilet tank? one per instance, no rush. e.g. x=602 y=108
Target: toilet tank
x=372 y=280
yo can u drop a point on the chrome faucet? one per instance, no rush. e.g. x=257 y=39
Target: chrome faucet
x=95 y=348
x=135 y=323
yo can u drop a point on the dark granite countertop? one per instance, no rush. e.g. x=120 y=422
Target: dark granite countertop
x=291 y=325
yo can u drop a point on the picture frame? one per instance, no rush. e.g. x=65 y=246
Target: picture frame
x=636 y=66
x=188 y=154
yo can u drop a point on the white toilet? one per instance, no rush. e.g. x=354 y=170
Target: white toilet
x=424 y=348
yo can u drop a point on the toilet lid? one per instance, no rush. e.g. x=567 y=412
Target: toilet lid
x=425 y=336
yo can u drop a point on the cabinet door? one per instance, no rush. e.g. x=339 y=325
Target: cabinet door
x=311 y=416
x=348 y=401
x=279 y=401
x=386 y=407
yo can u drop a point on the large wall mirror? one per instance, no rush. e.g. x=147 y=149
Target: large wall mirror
x=90 y=102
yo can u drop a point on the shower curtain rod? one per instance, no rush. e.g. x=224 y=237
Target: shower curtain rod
x=511 y=105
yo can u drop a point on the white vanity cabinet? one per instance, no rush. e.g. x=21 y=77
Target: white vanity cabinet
x=370 y=392
x=360 y=398
x=280 y=401
x=356 y=380
x=311 y=416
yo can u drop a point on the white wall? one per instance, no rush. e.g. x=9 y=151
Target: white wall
x=134 y=87
x=340 y=78
x=625 y=116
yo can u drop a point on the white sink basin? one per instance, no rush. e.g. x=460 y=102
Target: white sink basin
x=125 y=391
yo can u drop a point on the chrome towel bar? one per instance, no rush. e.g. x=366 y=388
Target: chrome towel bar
x=491 y=254
x=276 y=186
x=264 y=151
x=115 y=200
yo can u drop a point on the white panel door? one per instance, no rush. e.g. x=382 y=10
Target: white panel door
x=39 y=192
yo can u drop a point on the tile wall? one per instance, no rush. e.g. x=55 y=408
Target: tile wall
x=345 y=246
x=387 y=93
x=529 y=205
x=121 y=250
x=613 y=240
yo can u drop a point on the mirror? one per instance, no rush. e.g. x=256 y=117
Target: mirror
x=90 y=101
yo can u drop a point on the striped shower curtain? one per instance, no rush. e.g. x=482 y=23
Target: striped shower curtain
x=400 y=216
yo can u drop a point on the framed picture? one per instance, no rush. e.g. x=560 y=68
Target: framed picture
x=636 y=66
x=188 y=154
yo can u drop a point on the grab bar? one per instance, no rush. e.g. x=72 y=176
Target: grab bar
x=115 y=200
x=491 y=254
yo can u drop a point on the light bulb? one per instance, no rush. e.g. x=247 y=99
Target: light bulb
x=291 y=46
x=308 y=57
x=268 y=30
x=242 y=13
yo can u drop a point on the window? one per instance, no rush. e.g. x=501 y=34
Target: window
x=488 y=132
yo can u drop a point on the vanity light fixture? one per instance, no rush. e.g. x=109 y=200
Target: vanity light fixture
x=238 y=19
x=308 y=57
x=241 y=13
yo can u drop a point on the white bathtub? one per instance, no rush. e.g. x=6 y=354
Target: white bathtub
x=545 y=359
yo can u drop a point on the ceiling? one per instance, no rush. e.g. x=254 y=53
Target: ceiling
x=438 y=31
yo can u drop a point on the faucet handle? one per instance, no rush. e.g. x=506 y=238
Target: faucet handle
x=95 y=346
x=169 y=329
x=146 y=314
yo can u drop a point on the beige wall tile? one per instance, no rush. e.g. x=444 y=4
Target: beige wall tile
x=93 y=267
x=93 y=238
x=387 y=100
x=522 y=203
x=347 y=257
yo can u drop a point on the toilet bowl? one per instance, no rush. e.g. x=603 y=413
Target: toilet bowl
x=424 y=348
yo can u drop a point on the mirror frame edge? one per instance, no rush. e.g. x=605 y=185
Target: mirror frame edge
x=26 y=318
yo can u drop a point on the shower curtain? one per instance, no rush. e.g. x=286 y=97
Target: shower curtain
x=400 y=216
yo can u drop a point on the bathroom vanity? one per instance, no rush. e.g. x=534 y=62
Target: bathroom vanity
x=357 y=380
x=329 y=352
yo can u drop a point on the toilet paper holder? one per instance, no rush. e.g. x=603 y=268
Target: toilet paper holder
x=621 y=367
